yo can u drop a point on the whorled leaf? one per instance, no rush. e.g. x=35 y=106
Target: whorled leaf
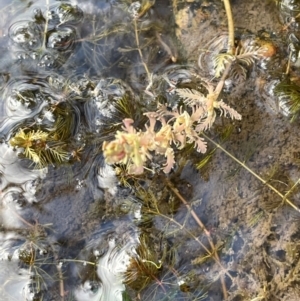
x=191 y=96
x=38 y=146
x=288 y=94
x=220 y=62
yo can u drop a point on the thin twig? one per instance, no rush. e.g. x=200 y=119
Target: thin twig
x=181 y=226
x=202 y=226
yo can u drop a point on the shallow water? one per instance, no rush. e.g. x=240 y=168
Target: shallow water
x=74 y=227
x=62 y=207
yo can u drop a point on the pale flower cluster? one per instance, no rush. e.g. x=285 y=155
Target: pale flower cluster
x=166 y=130
x=134 y=148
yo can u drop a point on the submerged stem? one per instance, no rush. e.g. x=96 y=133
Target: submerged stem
x=140 y=50
x=230 y=46
x=46 y=25
x=77 y=260
x=202 y=226
x=221 y=82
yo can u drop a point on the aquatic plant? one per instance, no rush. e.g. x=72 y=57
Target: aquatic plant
x=249 y=49
x=288 y=94
x=188 y=106
x=144 y=265
x=38 y=146
x=167 y=130
x=171 y=128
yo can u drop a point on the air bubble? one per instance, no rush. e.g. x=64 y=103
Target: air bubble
x=26 y=34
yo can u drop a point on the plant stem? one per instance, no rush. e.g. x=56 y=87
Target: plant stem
x=221 y=82
x=46 y=25
x=230 y=44
x=292 y=188
x=77 y=260
x=202 y=226
x=61 y=282
x=140 y=50
x=284 y=197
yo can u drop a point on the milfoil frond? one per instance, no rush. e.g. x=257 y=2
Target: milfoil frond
x=191 y=97
x=200 y=144
x=38 y=147
x=238 y=72
x=206 y=123
x=250 y=53
x=288 y=95
x=226 y=109
x=30 y=154
x=24 y=139
x=220 y=62
x=54 y=155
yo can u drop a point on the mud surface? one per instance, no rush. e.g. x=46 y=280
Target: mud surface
x=236 y=206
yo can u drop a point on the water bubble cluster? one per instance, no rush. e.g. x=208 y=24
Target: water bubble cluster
x=47 y=40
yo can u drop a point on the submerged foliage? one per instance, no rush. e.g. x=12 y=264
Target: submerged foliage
x=166 y=131
x=151 y=118
x=288 y=94
x=249 y=49
x=39 y=147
